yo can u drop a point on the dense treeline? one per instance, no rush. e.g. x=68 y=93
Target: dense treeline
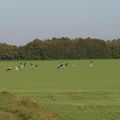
x=62 y=48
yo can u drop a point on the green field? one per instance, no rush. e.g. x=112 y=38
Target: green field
x=76 y=92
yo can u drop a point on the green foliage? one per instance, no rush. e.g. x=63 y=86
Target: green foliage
x=62 y=48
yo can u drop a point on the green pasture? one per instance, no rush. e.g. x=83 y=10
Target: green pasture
x=75 y=92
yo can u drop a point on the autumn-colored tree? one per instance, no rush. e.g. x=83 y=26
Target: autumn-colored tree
x=62 y=48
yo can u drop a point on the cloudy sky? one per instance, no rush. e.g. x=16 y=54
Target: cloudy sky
x=22 y=21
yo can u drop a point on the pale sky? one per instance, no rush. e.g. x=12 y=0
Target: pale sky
x=22 y=21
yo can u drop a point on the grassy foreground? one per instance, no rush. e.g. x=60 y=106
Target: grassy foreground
x=76 y=92
x=16 y=108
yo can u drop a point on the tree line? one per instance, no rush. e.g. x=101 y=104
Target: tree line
x=62 y=48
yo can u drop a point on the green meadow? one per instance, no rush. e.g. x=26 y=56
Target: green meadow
x=75 y=92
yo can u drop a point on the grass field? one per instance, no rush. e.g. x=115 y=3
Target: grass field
x=76 y=92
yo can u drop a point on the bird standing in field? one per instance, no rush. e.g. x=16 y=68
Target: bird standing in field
x=60 y=65
x=91 y=63
x=9 y=69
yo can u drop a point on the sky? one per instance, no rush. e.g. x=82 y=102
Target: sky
x=21 y=21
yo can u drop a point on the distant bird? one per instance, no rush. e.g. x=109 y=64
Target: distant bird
x=33 y=65
x=18 y=68
x=66 y=64
x=21 y=65
x=25 y=64
x=61 y=64
x=9 y=69
x=91 y=63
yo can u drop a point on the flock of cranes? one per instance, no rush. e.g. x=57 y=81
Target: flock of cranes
x=21 y=66
x=60 y=65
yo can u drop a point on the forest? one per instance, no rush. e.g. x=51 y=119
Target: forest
x=62 y=48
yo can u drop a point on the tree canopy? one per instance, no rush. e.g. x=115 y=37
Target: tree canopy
x=62 y=48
